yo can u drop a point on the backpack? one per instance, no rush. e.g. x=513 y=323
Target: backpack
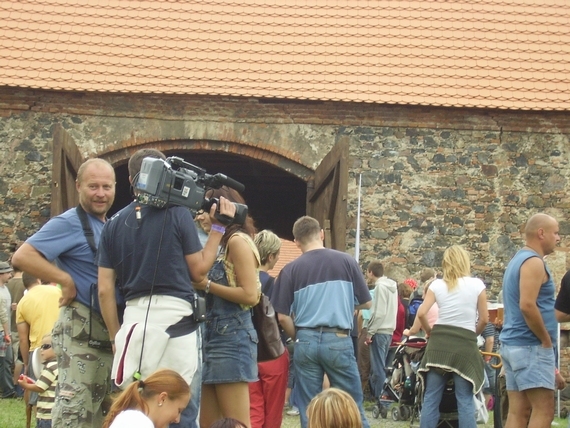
x=413 y=310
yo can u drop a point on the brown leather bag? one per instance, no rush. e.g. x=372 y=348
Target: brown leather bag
x=269 y=345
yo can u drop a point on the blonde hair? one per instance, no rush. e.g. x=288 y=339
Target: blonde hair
x=333 y=408
x=455 y=265
x=267 y=243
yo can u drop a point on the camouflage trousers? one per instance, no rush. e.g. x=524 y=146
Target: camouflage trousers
x=84 y=379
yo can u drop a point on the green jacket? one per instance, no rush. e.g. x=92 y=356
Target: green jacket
x=454 y=349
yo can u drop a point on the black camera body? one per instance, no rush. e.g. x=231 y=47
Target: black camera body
x=173 y=181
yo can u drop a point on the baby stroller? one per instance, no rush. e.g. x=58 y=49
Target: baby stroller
x=448 y=413
x=401 y=386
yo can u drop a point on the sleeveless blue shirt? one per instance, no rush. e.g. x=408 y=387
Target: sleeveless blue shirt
x=515 y=329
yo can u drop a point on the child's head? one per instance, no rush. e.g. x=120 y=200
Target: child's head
x=427 y=274
x=404 y=290
x=333 y=408
x=46 y=350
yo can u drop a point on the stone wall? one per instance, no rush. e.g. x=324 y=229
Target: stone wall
x=424 y=189
x=431 y=177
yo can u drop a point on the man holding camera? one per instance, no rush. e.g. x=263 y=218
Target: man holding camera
x=152 y=255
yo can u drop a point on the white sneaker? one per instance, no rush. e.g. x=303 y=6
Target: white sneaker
x=294 y=411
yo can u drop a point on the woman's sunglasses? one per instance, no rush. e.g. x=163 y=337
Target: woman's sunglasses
x=45 y=346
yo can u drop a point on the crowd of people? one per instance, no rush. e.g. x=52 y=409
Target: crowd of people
x=147 y=320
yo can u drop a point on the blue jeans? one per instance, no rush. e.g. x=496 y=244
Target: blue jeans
x=6 y=380
x=378 y=351
x=491 y=374
x=318 y=353
x=189 y=418
x=43 y=423
x=435 y=385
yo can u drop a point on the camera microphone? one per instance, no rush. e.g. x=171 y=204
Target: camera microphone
x=230 y=182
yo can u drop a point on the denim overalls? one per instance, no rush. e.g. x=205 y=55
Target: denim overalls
x=230 y=341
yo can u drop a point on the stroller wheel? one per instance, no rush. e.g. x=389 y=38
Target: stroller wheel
x=395 y=414
x=384 y=412
x=375 y=412
x=405 y=413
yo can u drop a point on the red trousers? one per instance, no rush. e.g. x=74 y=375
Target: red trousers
x=267 y=395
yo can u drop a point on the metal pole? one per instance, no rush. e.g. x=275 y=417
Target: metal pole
x=558 y=359
x=357 y=242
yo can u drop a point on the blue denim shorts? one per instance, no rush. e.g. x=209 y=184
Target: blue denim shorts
x=230 y=349
x=528 y=367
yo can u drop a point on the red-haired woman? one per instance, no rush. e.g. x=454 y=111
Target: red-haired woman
x=155 y=402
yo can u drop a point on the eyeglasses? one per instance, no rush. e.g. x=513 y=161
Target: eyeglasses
x=45 y=346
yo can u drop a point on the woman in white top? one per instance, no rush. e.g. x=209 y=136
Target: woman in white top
x=452 y=345
x=155 y=402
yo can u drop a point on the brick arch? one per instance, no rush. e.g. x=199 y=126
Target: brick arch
x=119 y=153
x=288 y=187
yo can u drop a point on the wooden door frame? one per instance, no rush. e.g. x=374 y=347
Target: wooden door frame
x=66 y=162
x=327 y=194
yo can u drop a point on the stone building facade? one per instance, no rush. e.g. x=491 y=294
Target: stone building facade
x=431 y=177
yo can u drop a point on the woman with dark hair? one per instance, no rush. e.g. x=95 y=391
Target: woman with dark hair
x=452 y=346
x=230 y=340
x=155 y=402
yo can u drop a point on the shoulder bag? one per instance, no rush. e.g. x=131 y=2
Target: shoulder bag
x=269 y=345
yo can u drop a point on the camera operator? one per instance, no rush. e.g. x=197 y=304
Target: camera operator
x=152 y=255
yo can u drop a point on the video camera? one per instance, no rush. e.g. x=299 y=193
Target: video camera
x=173 y=181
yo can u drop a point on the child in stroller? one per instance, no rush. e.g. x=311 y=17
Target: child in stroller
x=401 y=384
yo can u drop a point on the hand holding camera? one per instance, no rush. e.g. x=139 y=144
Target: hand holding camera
x=222 y=211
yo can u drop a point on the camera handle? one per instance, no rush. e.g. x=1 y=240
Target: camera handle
x=222 y=218
x=218 y=180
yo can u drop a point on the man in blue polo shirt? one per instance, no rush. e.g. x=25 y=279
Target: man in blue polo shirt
x=84 y=366
x=315 y=297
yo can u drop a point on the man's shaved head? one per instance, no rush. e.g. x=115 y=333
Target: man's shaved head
x=536 y=222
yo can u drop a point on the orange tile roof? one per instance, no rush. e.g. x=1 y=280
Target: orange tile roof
x=512 y=54
x=288 y=253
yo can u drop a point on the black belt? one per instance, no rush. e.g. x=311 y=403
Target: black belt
x=326 y=329
x=185 y=326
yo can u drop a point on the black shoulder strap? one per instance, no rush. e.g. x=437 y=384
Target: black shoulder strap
x=87 y=231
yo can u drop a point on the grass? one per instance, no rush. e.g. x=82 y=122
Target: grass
x=13 y=415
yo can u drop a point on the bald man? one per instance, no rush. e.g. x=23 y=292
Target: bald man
x=79 y=335
x=528 y=338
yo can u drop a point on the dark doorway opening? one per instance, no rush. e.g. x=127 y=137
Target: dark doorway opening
x=275 y=197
